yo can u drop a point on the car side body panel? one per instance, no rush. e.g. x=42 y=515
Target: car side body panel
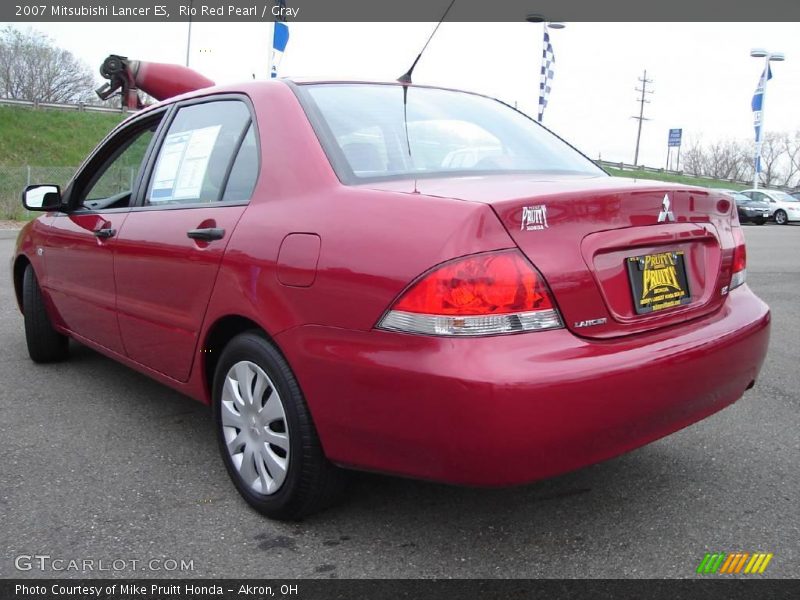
x=163 y=281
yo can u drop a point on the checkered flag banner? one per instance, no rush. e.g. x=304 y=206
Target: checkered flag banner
x=546 y=76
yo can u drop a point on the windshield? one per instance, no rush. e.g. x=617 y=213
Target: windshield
x=783 y=197
x=367 y=135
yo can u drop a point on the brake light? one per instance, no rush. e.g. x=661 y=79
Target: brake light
x=483 y=294
x=739 y=259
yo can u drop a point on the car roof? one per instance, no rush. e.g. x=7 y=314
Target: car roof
x=247 y=86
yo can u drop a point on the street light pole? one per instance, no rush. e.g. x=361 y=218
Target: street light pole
x=189 y=35
x=759 y=119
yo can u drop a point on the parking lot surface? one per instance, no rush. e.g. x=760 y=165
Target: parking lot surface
x=101 y=463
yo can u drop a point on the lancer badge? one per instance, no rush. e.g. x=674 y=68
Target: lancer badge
x=666 y=214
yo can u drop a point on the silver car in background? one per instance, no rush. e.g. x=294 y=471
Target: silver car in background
x=783 y=208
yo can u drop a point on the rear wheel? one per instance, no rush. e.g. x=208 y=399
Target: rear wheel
x=780 y=217
x=266 y=436
x=45 y=344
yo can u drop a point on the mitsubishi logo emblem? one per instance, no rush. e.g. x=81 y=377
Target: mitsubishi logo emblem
x=665 y=214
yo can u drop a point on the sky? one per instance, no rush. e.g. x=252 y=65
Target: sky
x=703 y=75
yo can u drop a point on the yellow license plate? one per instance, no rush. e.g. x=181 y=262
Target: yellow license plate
x=658 y=281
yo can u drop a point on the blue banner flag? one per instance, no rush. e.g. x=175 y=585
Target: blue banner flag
x=757 y=105
x=280 y=38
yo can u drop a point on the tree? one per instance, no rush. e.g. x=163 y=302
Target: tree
x=793 y=156
x=694 y=158
x=724 y=159
x=33 y=68
x=773 y=154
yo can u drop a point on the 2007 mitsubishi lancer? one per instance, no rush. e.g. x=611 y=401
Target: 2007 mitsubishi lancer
x=391 y=277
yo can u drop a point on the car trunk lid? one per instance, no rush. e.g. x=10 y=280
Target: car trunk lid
x=621 y=257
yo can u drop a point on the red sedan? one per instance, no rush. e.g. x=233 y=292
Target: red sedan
x=409 y=280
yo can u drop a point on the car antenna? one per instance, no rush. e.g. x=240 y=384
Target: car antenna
x=405 y=79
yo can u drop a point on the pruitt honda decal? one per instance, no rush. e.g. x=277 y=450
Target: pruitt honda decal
x=534 y=217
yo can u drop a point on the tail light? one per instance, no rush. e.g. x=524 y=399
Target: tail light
x=482 y=294
x=739 y=259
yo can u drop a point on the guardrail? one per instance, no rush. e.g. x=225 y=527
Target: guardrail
x=626 y=167
x=80 y=106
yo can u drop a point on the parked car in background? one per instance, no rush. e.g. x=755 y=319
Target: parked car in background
x=750 y=211
x=783 y=207
x=391 y=278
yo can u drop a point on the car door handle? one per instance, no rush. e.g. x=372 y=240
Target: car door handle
x=105 y=233
x=208 y=234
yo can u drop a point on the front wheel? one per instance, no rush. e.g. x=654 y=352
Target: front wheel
x=266 y=435
x=45 y=344
x=781 y=218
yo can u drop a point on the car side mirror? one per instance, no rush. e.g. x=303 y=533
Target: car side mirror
x=42 y=197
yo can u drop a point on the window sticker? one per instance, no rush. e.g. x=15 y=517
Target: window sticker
x=182 y=164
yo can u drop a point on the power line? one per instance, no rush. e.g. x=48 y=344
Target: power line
x=642 y=101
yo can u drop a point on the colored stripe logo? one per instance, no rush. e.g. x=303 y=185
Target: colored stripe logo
x=734 y=563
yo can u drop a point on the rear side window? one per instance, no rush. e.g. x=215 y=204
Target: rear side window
x=244 y=173
x=195 y=157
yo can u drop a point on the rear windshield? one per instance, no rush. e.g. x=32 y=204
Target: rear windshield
x=379 y=132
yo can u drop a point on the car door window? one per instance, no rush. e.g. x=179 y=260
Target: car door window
x=244 y=173
x=111 y=184
x=194 y=161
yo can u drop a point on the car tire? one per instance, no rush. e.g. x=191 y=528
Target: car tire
x=780 y=217
x=271 y=451
x=45 y=344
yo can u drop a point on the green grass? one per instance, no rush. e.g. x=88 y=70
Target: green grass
x=52 y=142
x=44 y=137
x=711 y=183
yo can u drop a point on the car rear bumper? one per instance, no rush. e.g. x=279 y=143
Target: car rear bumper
x=748 y=217
x=512 y=409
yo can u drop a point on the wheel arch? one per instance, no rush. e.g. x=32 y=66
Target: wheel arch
x=20 y=264
x=218 y=335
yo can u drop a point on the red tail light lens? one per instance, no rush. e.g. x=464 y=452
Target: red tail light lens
x=484 y=294
x=739 y=268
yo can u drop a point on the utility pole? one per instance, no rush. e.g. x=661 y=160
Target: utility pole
x=642 y=101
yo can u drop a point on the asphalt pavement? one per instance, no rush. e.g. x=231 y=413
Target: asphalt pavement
x=98 y=462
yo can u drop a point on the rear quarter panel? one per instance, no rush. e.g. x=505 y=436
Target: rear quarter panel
x=373 y=243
